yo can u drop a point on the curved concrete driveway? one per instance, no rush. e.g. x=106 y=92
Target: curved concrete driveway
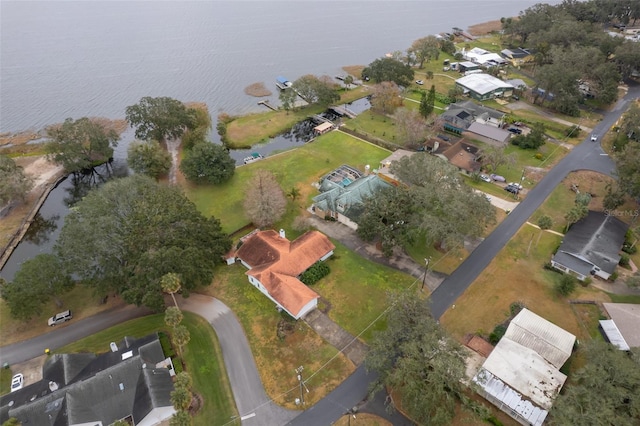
x=253 y=404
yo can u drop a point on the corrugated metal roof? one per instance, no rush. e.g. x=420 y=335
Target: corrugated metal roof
x=483 y=83
x=547 y=339
x=613 y=334
x=499 y=392
x=627 y=319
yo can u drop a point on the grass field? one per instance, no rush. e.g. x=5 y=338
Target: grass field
x=202 y=357
x=300 y=168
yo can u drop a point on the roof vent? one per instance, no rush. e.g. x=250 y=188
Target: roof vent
x=121 y=386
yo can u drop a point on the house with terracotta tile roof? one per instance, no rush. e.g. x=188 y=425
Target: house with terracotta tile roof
x=275 y=265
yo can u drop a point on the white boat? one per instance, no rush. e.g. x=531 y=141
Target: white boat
x=252 y=158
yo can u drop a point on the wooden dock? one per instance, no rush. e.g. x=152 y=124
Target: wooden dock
x=267 y=104
x=342 y=111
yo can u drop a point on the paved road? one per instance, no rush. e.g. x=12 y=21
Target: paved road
x=254 y=406
x=64 y=335
x=586 y=156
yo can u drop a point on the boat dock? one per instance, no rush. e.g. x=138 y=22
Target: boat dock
x=342 y=111
x=267 y=104
x=282 y=83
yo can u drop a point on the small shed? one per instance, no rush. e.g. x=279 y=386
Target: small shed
x=323 y=128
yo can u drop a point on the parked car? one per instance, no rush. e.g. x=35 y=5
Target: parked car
x=485 y=178
x=515 y=97
x=517 y=185
x=420 y=82
x=512 y=189
x=60 y=318
x=16 y=382
x=515 y=130
x=444 y=138
x=497 y=178
x=594 y=138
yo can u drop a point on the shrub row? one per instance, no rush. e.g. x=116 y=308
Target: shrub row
x=315 y=273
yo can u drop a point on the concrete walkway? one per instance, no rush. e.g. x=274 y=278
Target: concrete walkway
x=254 y=406
x=336 y=336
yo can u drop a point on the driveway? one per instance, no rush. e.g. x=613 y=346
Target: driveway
x=254 y=406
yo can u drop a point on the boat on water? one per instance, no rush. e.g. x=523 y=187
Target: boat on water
x=252 y=158
x=283 y=83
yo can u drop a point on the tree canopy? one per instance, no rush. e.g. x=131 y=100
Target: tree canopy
x=425 y=49
x=148 y=158
x=160 y=118
x=81 y=144
x=416 y=358
x=628 y=169
x=14 y=184
x=124 y=236
x=389 y=69
x=36 y=282
x=606 y=391
x=315 y=90
x=264 y=202
x=386 y=97
x=207 y=162
x=435 y=206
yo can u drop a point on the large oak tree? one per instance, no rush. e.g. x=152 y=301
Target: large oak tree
x=160 y=118
x=207 y=162
x=389 y=69
x=264 y=202
x=125 y=236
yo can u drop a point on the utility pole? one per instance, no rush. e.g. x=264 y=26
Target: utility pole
x=301 y=382
x=426 y=269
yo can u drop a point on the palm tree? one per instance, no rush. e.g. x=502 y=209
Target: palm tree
x=180 y=336
x=173 y=316
x=294 y=193
x=171 y=284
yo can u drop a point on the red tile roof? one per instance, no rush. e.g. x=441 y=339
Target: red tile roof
x=277 y=262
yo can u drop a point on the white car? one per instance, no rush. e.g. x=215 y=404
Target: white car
x=594 y=138
x=16 y=382
x=60 y=318
x=420 y=82
x=485 y=178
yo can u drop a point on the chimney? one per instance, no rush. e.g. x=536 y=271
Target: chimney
x=282 y=234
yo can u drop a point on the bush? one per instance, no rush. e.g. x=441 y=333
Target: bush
x=545 y=222
x=573 y=131
x=624 y=260
x=538 y=156
x=497 y=334
x=566 y=285
x=515 y=308
x=613 y=276
x=315 y=273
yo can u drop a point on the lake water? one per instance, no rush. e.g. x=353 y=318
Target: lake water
x=62 y=59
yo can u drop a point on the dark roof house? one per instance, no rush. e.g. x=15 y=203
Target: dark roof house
x=132 y=383
x=591 y=247
x=463 y=155
x=460 y=115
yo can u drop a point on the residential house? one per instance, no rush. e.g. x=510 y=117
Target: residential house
x=275 y=265
x=484 y=86
x=341 y=197
x=469 y=67
x=517 y=57
x=489 y=134
x=462 y=155
x=460 y=115
x=131 y=383
x=591 y=247
x=483 y=57
x=384 y=171
x=521 y=375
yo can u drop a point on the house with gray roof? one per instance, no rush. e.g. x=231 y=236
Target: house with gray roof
x=460 y=115
x=591 y=247
x=622 y=329
x=132 y=382
x=342 y=199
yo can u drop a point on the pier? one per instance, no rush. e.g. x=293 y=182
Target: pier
x=342 y=111
x=267 y=104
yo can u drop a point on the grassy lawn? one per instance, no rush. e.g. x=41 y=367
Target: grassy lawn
x=375 y=124
x=277 y=357
x=551 y=154
x=517 y=275
x=300 y=168
x=202 y=357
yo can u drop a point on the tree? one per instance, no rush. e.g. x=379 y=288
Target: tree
x=14 y=184
x=613 y=198
x=180 y=336
x=348 y=81
x=183 y=380
x=180 y=418
x=288 y=99
x=36 y=282
x=534 y=140
x=565 y=285
x=424 y=49
x=171 y=284
x=577 y=212
x=124 y=236
x=628 y=169
x=81 y=144
x=264 y=202
x=181 y=398
x=416 y=358
x=294 y=193
x=545 y=222
x=148 y=158
x=412 y=128
x=173 y=316
x=389 y=69
x=604 y=391
x=321 y=91
x=208 y=162
x=427 y=102
x=436 y=206
x=633 y=281
x=496 y=156
x=160 y=118
x=385 y=98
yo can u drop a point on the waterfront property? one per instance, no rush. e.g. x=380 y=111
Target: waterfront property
x=132 y=382
x=484 y=86
x=282 y=83
x=591 y=247
x=275 y=265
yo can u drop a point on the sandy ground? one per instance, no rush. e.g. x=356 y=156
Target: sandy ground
x=40 y=170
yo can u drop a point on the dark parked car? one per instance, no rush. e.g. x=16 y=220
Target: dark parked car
x=515 y=130
x=444 y=138
x=512 y=188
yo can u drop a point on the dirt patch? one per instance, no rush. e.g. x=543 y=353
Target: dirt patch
x=258 y=90
x=354 y=70
x=362 y=419
x=40 y=169
x=119 y=126
x=485 y=28
x=19 y=138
